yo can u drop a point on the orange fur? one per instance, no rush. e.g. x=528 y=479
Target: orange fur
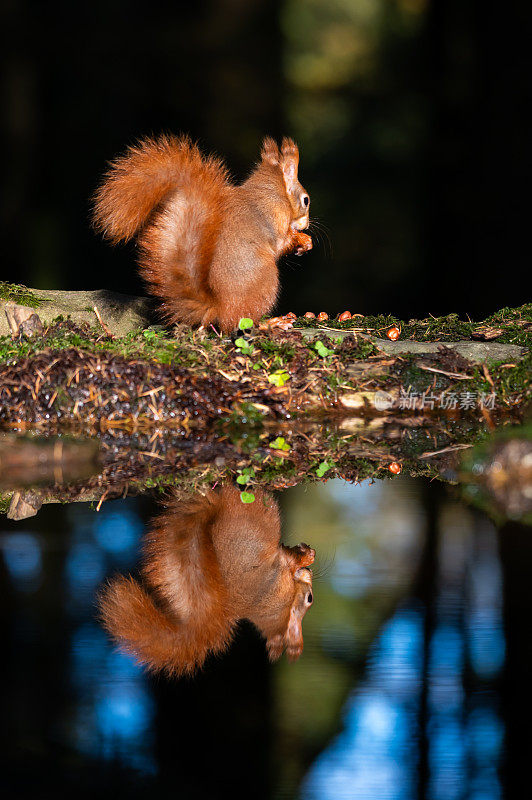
x=208 y=563
x=208 y=249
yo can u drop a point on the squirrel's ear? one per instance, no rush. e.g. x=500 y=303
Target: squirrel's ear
x=289 y=162
x=291 y=639
x=270 y=151
x=275 y=645
x=294 y=634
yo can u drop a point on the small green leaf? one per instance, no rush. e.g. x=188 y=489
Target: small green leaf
x=246 y=475
x=322 y=469
x=244 y=346
x=247 y=497
x=322 y=350
x=279 y=377
x=245 y=323
x=279 y=444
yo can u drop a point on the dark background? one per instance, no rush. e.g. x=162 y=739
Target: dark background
x=410 y=115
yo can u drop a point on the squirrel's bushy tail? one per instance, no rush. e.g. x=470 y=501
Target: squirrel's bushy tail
x=172 y=198
x=130 y=615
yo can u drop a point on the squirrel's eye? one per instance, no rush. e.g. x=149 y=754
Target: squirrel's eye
x=305 y=199
x=309 y=598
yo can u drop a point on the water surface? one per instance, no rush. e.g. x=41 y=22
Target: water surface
x=406 y=688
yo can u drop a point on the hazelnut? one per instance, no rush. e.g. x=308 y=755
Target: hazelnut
x=395 y=468
x=281 y=323
x=393 y=334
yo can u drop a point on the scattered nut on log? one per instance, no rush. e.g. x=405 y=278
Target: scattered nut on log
x=344 y=316
x=281 y=323
x=323 y=316
x=310 y=315
x=393 y=334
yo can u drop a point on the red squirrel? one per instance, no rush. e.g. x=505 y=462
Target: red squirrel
x=208 y=563
x=208 y=248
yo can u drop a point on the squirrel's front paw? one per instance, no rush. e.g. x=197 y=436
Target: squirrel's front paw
x=302 y=243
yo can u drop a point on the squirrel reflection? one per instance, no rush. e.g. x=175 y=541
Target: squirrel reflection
x=209 y=562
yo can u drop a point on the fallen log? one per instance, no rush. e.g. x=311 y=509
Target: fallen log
x=66 y=374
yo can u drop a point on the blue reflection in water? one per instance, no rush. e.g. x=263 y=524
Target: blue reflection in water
x=118 y=532
x=485 y=624
x=23 y=559
x=85 y=568
x=114 y=712
x=101 y=542
x=374 y=756
x=439 y=709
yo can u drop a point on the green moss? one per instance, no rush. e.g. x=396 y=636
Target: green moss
x=512 y=384
x=513 y=321
x=284 y=352
x=186 y=479
x=5 y=500
x=274 y=469
x=156 y=345
x=247 y=414
x=365 y=349
x=506 y=314
x=19 y=294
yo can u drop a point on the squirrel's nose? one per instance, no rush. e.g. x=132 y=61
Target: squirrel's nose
x=301 y=223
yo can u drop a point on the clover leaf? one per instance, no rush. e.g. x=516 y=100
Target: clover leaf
x=247 y=497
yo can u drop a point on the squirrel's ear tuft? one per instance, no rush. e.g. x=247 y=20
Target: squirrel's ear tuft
x=289 y=149
x=270 y=151
x=289 y=161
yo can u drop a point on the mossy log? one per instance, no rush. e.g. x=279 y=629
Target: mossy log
x=69 y=375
